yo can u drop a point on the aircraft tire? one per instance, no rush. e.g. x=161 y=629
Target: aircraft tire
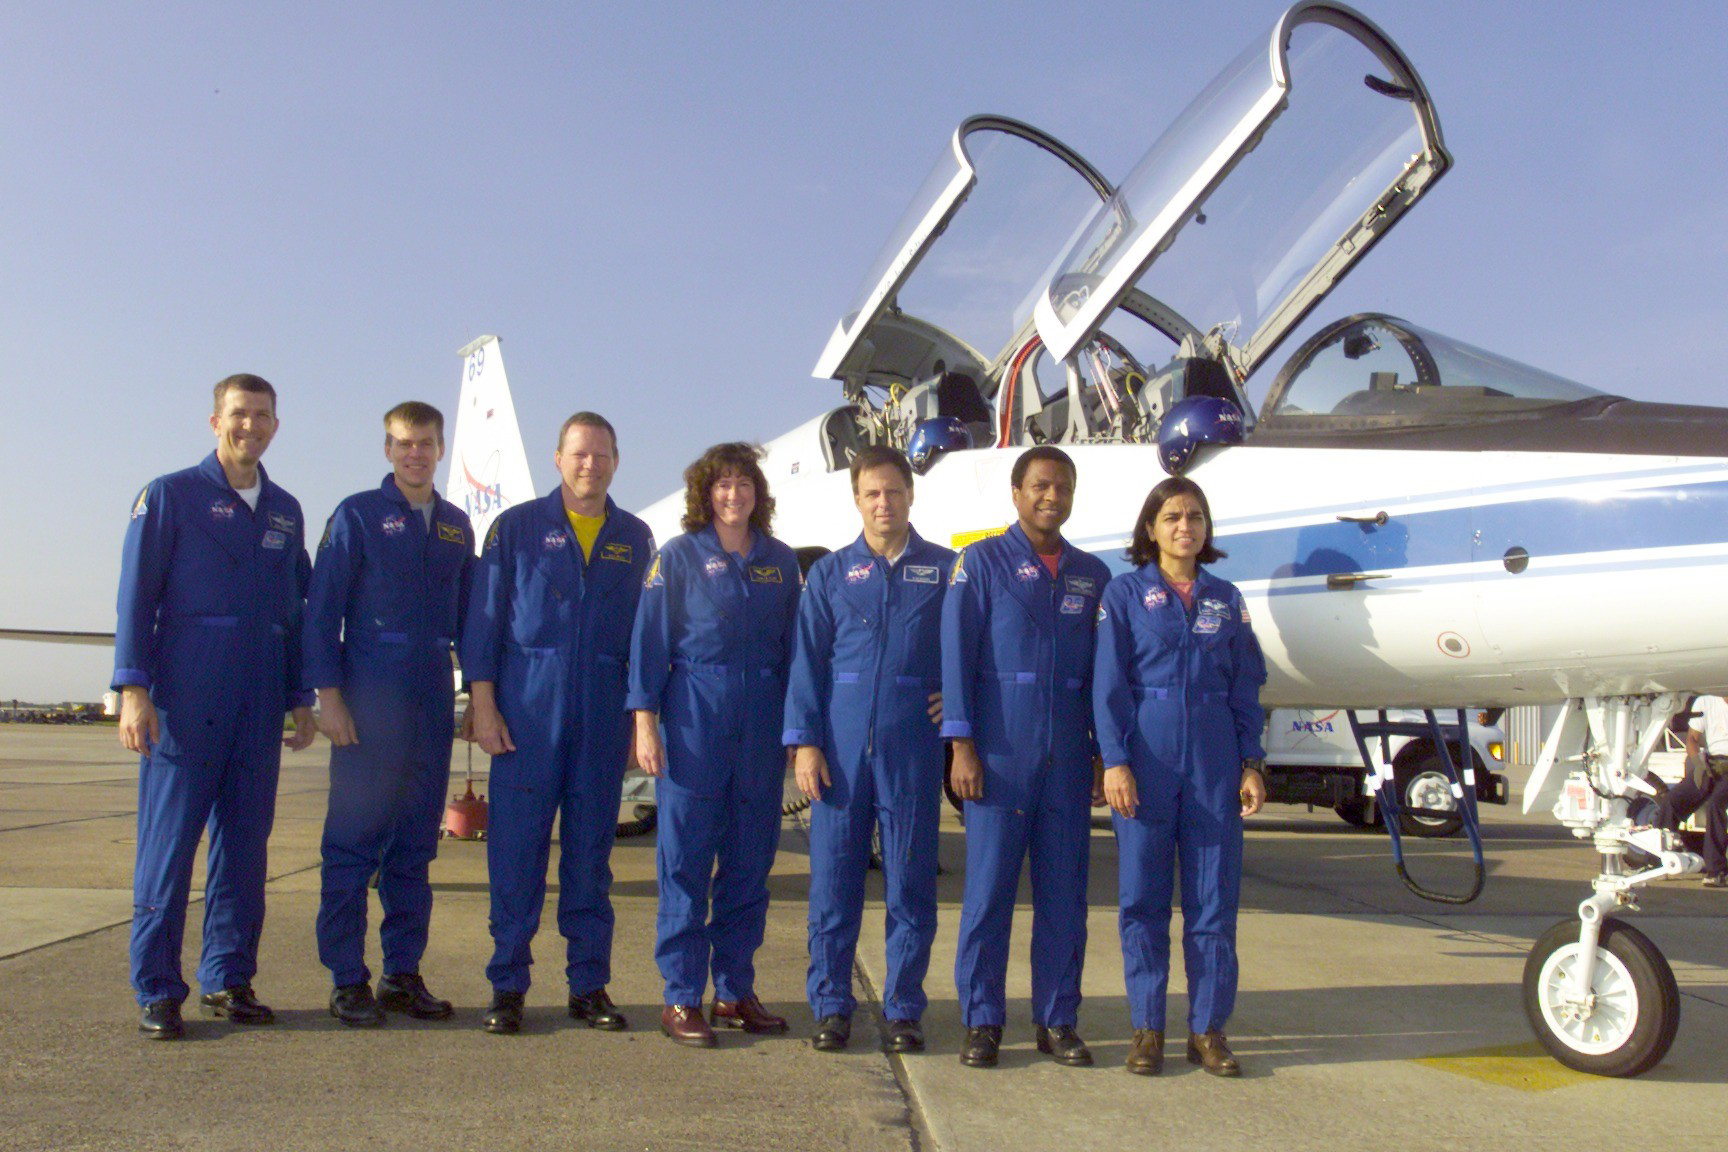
x=1422 y=782
x=1637 y=1003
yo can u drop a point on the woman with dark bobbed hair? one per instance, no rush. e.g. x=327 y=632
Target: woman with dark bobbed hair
x=708 y=661
x=1176 y=703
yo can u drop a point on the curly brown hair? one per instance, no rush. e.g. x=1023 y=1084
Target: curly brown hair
x=738 y=459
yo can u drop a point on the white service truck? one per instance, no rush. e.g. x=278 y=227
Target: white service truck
x=1312 y=759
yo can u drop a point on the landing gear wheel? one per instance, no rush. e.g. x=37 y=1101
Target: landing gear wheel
x=1634 y=1009
x=1359 y=812
x=1424 y=785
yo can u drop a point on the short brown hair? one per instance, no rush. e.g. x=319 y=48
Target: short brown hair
x=879 y=456
x=243 y=382
x=1142 y=549
x=588 y=420
x=413 y=413
x=699 y=479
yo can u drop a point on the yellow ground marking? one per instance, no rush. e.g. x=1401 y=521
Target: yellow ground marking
x=1526 y=1067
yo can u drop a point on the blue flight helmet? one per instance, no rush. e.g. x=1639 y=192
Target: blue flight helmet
x=1192 y=422
x=932 y=438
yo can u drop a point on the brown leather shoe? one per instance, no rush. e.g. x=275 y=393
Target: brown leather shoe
x=1211 y=1052
x=1146 y=1056
x=684 y=1024
x=747 y=1014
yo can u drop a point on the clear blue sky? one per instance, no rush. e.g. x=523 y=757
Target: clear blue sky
x=662 y=208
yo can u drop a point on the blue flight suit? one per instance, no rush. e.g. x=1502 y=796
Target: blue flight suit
x=712 y=646
x=209 y=622
x=551 y=631
x=867 y=659
x=1176 y=695
x=1016 y=674
x=382 y=616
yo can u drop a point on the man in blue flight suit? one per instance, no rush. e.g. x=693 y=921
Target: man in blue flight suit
x=1017 y=642
x=544 y=653
x=382 y=615
x=862 y=709
x=207 y=660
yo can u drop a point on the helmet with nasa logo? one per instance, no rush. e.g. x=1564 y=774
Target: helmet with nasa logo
x=932 y=438
x=1192 y=422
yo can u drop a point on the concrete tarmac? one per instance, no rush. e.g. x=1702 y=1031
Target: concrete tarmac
x=1366 y=1018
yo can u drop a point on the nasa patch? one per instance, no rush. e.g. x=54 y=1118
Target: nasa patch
x=1082 y=585
x=1155 y=598
x=1027 y=571
x=764 y=574
x=714 y=566
x=958 y=576
x=1206 y=625
x=281 y=523
x=452 y=533
x=222 y=510
x=859 y=573
x=1073 y=605
x=394 y=525
x=555 y=539
x=922 y=574
x=275 y=539
x=621 y=553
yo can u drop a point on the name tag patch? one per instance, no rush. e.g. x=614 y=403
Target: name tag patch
x=621 y=553
x=1073 y=605
x=275 y=539
x=764 y=574
x=922 y=574
x=1083 y=585
x=452 y=532
x=859 y=573
x=281 y=522
x=1205 y=625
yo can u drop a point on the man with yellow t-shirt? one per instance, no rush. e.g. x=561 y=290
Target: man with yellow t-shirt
x=544 y=651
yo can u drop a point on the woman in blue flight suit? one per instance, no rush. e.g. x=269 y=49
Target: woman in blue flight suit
x=1176 y=696
x=709 y=660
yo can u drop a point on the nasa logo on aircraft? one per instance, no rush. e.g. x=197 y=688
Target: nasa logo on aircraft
x=715 y=566
x=1073 y=605
x=394 y=525
x=1027 y=571
x=1155 y=598
x=859 y=573
x=555 y=539
x=222 y=510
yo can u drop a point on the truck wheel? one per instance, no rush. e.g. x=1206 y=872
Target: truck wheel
x=1634 y=1008
x=1422 y=783
x=1360 y=812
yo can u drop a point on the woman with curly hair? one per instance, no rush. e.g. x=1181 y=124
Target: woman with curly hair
x=708 y=663
x=1176 y=703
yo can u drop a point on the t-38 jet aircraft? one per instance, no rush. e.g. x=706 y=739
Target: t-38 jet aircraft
x=1414 y=521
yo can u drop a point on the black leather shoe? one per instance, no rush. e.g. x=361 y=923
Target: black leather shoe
x=237 y=1004
x=161 y=1021
x=1212 y=1052
x=1065 y=1045
x=1146 y=1057
x=982 y=1047
x=903 y=1036
x=504 y=1017
x=597 y=1008
x=833 y=1033
x=405 y=992
x=354 y=1006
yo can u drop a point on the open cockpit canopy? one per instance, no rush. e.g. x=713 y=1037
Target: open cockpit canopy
x=1272 y=184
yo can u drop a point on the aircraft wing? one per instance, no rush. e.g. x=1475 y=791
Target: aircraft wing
x=55 y=636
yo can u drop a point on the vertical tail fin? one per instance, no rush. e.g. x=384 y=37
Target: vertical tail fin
x=488 y=467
